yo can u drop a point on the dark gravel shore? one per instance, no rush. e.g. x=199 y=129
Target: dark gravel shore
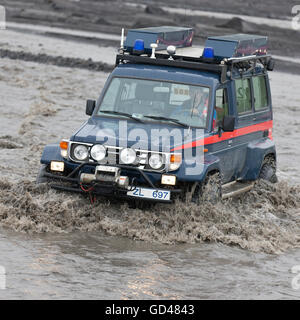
x=110 y=16
x=56 y=60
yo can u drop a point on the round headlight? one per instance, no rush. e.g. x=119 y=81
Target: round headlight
x=128 y=156
x=98 y=152
x=156 y=161
x=81 y=152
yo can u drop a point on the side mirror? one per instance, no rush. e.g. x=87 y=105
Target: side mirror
x=228 y=123
x=90 y=107
x=271 y=64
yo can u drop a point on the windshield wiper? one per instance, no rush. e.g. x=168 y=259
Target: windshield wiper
x=168 y=119
x=194 y=105
x=128 y=115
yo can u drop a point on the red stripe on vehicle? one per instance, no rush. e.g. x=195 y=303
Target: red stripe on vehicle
x=228 y=135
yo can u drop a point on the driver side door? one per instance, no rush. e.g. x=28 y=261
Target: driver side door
x=222 y=146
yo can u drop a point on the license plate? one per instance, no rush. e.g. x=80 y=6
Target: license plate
x=150 y=194
x=107 y=169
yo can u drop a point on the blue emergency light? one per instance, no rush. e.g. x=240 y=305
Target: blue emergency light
x=138 y=47
x=208 y=53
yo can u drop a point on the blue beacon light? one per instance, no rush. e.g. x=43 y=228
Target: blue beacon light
x=138 y=47
x=208 y=53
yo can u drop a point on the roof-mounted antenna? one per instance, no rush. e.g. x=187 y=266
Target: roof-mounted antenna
x=122 y=41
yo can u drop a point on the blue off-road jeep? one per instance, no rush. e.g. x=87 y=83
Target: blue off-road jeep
x=173 y=121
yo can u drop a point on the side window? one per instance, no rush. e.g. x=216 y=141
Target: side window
x=221 y=104
x=243 y=95
x=260 y=92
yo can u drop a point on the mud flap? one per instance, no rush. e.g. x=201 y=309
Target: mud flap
x=40 y=177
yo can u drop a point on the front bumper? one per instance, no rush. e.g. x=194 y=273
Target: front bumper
x=72 y=183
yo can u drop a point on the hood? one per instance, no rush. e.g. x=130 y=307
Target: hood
x=158 y=136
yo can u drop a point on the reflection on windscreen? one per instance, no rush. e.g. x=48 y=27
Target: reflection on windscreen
x=185 y=103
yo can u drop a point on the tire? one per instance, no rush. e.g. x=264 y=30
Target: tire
x=268 y=170
x=40 y=177
x=210 y=190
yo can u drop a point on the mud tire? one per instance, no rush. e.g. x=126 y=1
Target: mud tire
x=210 y=190
x=268 y=170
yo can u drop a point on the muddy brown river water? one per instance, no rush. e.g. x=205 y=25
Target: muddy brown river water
x=58 y=246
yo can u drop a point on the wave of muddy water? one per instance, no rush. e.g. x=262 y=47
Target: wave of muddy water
x=56 y=245
x=266 y=219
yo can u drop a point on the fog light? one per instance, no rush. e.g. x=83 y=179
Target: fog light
x=57 y=166
x=156 y=161
x=98 y=152
x=169 y=180
x=81 y=152
x=128 y=156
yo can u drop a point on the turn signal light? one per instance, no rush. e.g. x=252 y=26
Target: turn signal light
x=175 y=158
x=64 y=144
x=64 y=148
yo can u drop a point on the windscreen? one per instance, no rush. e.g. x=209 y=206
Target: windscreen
x=144 y=99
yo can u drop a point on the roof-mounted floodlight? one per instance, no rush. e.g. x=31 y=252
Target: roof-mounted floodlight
x=171 y=51
x=153 y=46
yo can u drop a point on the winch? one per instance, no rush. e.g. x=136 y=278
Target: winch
x=108 y=174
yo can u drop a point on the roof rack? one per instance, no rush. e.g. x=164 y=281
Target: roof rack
x=178 y=62
x=248 y=63
x=242 y=64
x=223 y=55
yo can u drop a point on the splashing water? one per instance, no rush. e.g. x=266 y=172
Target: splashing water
x=266 y=219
